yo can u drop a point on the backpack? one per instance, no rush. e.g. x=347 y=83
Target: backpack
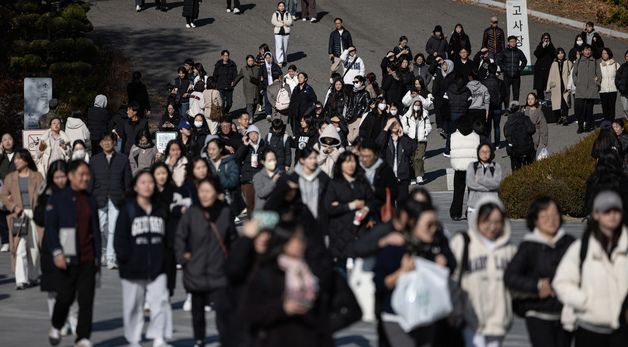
x=283 y=100
x=520 y=143
x=283 y=143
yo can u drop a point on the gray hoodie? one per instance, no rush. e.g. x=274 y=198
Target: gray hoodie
x=264 y=186
x=100 y=101
x=480 y=97
x=309 y=188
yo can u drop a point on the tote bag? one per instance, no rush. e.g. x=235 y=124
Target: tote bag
x=421 y=297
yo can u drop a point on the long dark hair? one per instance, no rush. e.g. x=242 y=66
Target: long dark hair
x=176 y=142
x=25 y=155
x=57 y=165
x=190 y=170
x=161 y=164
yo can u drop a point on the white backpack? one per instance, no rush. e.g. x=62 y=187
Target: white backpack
x=283 y=100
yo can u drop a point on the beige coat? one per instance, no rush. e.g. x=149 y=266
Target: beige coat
x=604 y=283
x=553 y=84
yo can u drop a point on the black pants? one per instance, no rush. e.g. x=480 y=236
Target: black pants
x=236 y=4
x=403 y=187
x=544 y=333
x=460 y=183
x=227 y=100
x=478 y=116
x=493 y=123
x=608 y=105
x=4 y=227
x=440 y=111
x=76 y=281
x=584 y=113
x=515 y=82
x=170 y=263
x=586 y=338
x=517 y=161
x=564 y=110
x=217 y=298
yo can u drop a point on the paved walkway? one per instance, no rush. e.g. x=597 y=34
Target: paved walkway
x=158 y=42
x=25 y=317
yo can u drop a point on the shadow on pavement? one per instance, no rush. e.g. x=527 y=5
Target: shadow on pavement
x=246 y=7
x=175 y=5
x=433 y=175
x=296 y=56
x=434 y=152
x=321 y=15
x=190 y=341
x=109 y=324
x=4 y=296
x=353 y=340
x=203 y=22
x=112 y=342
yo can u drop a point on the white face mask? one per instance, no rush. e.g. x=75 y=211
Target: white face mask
x=579 y=42
x=393 y=112
x=338 y=129
x=198 y=124
x=331 y=80
x=79 y=154
x=416 y=108
x=270 y=165
x=381 y=106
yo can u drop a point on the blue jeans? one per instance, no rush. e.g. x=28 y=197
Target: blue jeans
x=292 y=7
x=183 y=110
x=494 y=118
x=107 y=217
x=451 y=128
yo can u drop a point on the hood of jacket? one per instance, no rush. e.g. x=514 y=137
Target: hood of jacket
x=450 y=68
x=298 y=169
x=100 y=101
x=474 y=86
x=73 y=123
x=330 y=132
x=536 y=236
x=504 y=238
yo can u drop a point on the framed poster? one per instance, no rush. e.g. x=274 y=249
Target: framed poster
x=30 y=139
x=162 y=138
x=37 y=96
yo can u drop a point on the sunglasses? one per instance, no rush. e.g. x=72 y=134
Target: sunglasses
x=494 y=22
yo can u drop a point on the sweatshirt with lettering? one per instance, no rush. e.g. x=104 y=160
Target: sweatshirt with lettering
x=140 y=241
x=486 y=302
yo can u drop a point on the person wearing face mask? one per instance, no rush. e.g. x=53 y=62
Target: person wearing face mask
x=576 y=51
x=264 y=181
x=248 y=155
x=593 y=38
x=76 y=129
x=397 y=149
x=592 y=277
x=374 y=121
x=353 y=66
x=199 y=132
x=329 y=147
x=143 y=153
x=79 y=151
x=416 y=124
x=357 y=106
x=545 y=54
x=481 y=298
x=281 y=143
x=532 y=270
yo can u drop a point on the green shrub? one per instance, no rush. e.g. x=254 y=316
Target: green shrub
x=562 y=175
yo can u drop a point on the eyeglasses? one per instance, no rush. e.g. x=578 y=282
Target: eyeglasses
x=494 y=22
x=356 y=82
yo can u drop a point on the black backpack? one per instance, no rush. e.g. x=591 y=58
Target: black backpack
x=520 y=142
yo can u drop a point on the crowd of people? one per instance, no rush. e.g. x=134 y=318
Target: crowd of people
x=334 y=179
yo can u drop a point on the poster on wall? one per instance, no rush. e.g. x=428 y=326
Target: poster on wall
x=162 y=138
x=37 y=95
x=30 y=139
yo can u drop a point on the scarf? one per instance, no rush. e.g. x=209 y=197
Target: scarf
x=301 y=285
x=357 y=89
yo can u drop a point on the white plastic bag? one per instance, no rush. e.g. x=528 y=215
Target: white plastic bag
x=422 y=297
x=543 y=154
x=361 y=282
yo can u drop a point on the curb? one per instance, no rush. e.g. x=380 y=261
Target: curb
x=559 y=20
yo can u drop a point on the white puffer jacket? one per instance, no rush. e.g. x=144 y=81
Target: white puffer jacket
x=609 y=69
x=278 y=22
x=427 y=103
x=354 y=64
x=486 y=305
x=417 y=128
x=604 y=283
x=463 y=150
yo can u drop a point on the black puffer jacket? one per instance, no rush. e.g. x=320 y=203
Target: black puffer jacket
x=336 y=103
x=98 y=122
x=301 y=101
x=512 y=61
x=225 y=74
x=128 y=131
x=339 y=194
x=535 y=259
x=243 y=156
x=198 y=233
x=140 y=241
x=496 y=89
x=441 y=83
x=357 y=105
x=111 y=180
x=405 y=149
x=436 y=45
x=459 y=97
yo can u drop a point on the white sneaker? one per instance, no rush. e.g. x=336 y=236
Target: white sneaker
x=313 y=20
x=111 y=265
x=236 y=10
x=228 y=10
x=208 y=308
x=54 y=336
x=419 y=180
x=187 y=305
x=160 y=342
x=305 y=19
x=83 y=343
x=259 y=108
x=4 y=248
x=193 y=25
x=138 y=8
x=269 y=117
x=188 y=26
x=146 y=307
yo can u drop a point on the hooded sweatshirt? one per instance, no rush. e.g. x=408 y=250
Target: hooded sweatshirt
x=100 y=101
x=76 y=129
x=309 y=186
x=480 y=97
x=483 y=180
x=486 y=303
x=326 y=161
